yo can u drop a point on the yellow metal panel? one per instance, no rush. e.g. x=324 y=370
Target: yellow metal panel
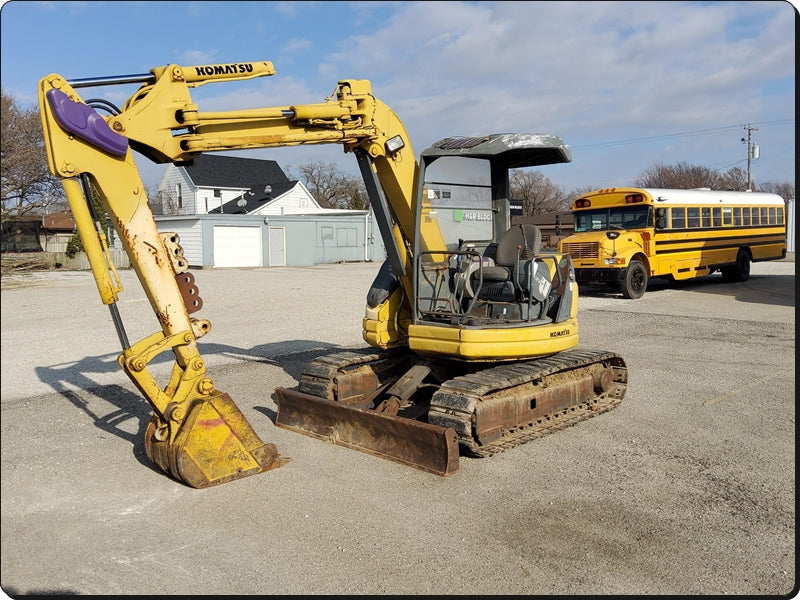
x=498 y=343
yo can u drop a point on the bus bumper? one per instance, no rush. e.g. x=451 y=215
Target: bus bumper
x=599 y=275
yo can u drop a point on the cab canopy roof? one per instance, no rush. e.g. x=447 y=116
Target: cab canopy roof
x=508 y=150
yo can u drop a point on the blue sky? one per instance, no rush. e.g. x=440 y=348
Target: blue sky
x=626 y=84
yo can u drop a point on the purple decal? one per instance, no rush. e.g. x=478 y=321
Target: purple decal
x=85 y=123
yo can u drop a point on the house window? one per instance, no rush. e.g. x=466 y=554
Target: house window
x=326 y=236
x=346 y=237
x=179 y=195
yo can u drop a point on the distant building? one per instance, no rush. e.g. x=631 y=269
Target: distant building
x=554 y=226
x=243 y=212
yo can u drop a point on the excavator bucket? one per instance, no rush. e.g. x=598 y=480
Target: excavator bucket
x=413 y=443
x=214 y=444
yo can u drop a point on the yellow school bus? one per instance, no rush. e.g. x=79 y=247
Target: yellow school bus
x=625 y=236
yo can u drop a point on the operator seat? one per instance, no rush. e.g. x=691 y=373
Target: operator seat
x=520 y=243
x=516 y=275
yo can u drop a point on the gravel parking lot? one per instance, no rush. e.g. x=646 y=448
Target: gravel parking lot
x=688 y=487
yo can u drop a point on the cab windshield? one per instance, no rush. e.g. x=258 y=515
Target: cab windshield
x=459 y=199
x=623 y=217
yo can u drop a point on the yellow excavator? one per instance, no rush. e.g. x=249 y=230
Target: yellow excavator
x=471 y=329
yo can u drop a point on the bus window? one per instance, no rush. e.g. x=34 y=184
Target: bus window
x=693 y=216
x=772 y=220
x=717 y=212
x=726 y=215
x=764 y=220
x=737 y=216
x=746 y=216
x=661 y=218
x=780 y=215
x=678 y=218
x=706 y=217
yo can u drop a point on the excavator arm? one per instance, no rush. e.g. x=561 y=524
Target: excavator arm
x=197 y=434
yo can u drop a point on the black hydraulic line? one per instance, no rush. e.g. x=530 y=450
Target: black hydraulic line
x=103 y=104
x=115 y=316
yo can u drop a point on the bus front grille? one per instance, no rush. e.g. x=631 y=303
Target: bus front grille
x=581 y=249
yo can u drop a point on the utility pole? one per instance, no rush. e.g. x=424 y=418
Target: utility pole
x=752 y=153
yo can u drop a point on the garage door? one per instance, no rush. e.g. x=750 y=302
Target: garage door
x=237 y=246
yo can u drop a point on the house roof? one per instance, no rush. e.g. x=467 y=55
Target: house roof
x=255 y=198
x=209 y=170
x=59 y=221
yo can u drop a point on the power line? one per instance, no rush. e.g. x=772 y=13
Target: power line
x=676 y=135
x=728 y=165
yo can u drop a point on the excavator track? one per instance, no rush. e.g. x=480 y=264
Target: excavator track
x=323 y=376
x=574 y=385
x=482 y=411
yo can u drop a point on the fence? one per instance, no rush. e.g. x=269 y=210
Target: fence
x=18 y=261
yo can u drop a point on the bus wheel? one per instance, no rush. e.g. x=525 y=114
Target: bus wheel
x=740 y=271
x=635 y=282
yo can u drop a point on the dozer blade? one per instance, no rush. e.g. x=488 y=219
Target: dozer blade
x=421 y=445
x=214 y=444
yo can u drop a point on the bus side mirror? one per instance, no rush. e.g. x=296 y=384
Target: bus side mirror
x=661 y=218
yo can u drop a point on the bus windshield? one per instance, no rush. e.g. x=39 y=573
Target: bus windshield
x=623 y=217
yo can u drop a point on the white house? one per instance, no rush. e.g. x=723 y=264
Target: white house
x=242 y=212
x=215 y=184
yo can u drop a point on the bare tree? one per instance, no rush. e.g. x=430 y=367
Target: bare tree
x=355 y=195
x=580 y=191
x=784 y=190
x=682 y=176
x=537 y=193
x=333 y=189
x=734 y=180
x=28 y=187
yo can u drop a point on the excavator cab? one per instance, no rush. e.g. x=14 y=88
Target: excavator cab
x=490 y=277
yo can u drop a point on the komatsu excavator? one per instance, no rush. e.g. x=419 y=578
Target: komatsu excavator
x=472 y=331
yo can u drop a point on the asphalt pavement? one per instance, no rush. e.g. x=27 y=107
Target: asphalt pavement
x=688 y=487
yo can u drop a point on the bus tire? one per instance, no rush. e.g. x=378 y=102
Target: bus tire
x=634 y=283
x=740 y=271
